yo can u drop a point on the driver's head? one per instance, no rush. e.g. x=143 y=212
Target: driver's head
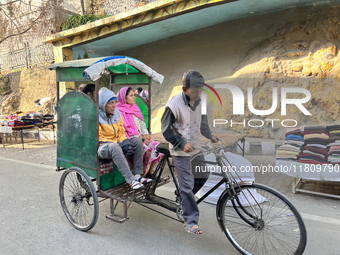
x=193 y=82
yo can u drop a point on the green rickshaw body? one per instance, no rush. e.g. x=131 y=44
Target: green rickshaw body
x=78 y=119
x=78 y=137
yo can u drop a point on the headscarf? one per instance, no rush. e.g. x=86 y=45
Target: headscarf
x=127 y=112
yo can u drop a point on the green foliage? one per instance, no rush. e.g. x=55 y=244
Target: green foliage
x=104 y=81
x=79 y=57
x=76 y=21
x=86 y=55
x=5 y=86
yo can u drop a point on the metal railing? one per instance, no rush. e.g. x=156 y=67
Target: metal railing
x=27 y=57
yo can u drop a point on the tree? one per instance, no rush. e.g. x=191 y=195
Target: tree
x=21 y=18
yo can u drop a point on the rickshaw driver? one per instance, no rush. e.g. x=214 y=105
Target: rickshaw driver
x=182 y=126
x=114 y=143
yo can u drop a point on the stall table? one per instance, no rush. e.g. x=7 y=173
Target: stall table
x=321 y=180
x=21 y=128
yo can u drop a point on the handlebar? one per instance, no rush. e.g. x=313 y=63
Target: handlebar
x=221 y=140
x=209 y=148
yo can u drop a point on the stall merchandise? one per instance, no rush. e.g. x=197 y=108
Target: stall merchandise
x=24 y=119
x=334 y=144
x=315 y=149
x=318 y=166
x=292 y=146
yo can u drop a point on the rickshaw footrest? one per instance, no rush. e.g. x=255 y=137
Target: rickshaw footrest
x=124 y=195
x=117 y=218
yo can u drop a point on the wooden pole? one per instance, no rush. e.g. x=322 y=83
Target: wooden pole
x=58 y=91
x=97 y=105
x=149 y=128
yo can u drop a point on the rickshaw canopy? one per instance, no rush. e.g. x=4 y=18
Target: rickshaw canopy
x=123 y=70
x=119 y=65
x=78 y=115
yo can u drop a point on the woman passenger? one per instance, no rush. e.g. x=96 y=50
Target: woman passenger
x=135 y=126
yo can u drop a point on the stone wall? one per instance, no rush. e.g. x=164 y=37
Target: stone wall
x=298 y=49
x=113 y=7
x=37 y=83
x=14 y=79
x=300 y=55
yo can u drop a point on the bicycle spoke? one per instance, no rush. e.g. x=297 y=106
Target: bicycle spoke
x=273 y=233
x=81 y=208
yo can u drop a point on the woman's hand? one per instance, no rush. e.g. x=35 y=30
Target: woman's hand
x=146 y=139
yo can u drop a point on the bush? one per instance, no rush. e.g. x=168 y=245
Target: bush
x=76 y=21
x=5 y=86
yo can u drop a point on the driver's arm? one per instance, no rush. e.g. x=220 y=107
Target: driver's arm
x=205 y=129
x=168 y=120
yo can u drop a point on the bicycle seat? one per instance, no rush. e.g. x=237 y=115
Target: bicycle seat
x=163 y=148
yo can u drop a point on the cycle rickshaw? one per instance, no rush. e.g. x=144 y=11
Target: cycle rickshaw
x=255 y=218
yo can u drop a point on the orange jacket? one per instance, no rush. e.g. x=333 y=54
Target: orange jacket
x=112 y=132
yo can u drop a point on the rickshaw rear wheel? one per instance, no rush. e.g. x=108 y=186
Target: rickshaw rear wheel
x=78 y=199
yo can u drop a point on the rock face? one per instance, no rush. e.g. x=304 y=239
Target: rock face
x=9 y=95
x=37 y=83
x=304 y=55
x=10 y=103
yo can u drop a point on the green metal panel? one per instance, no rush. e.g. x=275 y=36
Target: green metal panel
x=112 y=179
x=71 y=74
x=122 y=69
x=139 y=78
x=77 y=132
x=144 y=108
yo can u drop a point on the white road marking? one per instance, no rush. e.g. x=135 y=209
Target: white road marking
x=322 y=219
x=28 y=163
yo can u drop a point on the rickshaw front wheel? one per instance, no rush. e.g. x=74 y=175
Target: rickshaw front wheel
x=78 y=199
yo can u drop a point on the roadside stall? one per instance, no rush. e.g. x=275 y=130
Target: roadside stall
x=311 y=155
x=11 y=125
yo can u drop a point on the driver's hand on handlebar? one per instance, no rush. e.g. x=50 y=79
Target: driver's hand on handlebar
x=187 y=148
x=214 y=139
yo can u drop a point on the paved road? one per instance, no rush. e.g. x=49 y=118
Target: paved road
x=32 y=221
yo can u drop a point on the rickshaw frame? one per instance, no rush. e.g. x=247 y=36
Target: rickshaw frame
x=249 y=211
x=122 y=194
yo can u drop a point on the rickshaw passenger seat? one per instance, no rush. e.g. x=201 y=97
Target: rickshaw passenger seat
x=104 y=161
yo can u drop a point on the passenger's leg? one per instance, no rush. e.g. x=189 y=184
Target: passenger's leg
x=138 y=156
x=186 y=182
x=114 y=151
